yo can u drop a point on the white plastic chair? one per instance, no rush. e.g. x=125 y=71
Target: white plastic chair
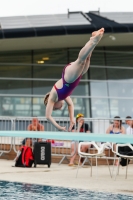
x=122 y=156
x=99 y=154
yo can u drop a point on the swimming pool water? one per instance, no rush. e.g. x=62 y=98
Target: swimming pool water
x=17 y=191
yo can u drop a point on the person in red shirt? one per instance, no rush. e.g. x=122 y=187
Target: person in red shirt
x=81 y=127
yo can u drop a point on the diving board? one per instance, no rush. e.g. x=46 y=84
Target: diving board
x=115 y=138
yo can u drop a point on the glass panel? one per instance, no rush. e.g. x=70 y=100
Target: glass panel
x=46 y=57
x=57 y=56
x=120 y=74
x=121 y=107
x=15 y=71
x=96 y=59
x=112 y=56
x=22 y=106
x=15 y=57
x=97 y=73
x=43 y=87
x=122 y=49
x=45 y=71
x=51 y=56
x=98 y=88
x=51 y=72
x=73 y=54
x=81 y=89
x=105 y=108
x=15 y=106
x=79 y=107
x=120 y=89
x=15 y=87
x=100 y=108
x=119 y=56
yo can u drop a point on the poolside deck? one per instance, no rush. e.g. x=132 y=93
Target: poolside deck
x=65 y=176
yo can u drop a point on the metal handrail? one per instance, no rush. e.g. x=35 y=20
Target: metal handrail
x=12 y=128
x=65 y=119
x=62 y=65
x=73 y=96
x=60 y=118
x=55 y=79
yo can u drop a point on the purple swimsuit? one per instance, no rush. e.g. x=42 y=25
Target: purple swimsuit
x=67 y=88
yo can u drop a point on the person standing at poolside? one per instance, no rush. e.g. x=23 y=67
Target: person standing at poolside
x=71 y=76
x=117 y=127
x=81 y=127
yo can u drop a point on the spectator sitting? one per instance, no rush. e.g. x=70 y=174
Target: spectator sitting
x=129 y=122
x=34 y=126
x=116 y=128
x=81 y=127
x=27 y=142
x=127 y=150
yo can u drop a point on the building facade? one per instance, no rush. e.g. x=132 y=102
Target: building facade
x=32 y=60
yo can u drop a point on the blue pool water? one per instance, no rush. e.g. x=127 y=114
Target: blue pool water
x=17 y=191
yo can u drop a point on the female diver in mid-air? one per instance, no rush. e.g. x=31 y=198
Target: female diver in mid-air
x=71 y=76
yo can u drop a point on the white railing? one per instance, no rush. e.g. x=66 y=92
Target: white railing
x=59 y=147
x=6 y=143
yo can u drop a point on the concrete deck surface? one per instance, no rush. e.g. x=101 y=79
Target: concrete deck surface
x=65 y=176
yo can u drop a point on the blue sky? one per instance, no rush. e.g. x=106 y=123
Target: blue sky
x=37 y=7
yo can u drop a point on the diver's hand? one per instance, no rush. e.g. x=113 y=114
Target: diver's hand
x=72 y=123
x=62 y=128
